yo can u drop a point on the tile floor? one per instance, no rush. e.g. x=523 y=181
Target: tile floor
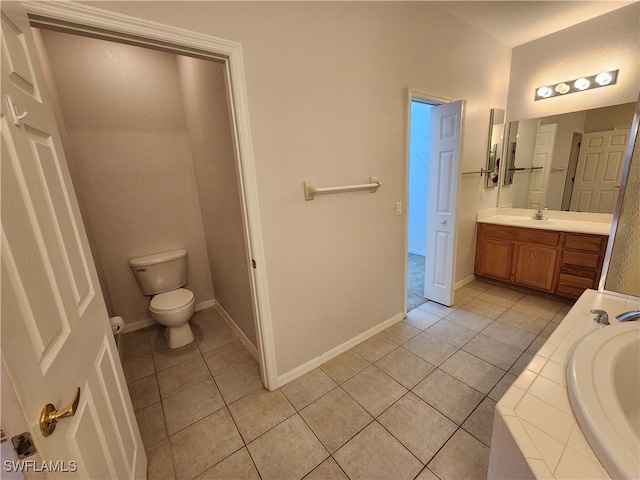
x=415 y=401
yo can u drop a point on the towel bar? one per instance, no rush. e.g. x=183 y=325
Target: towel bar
x=310 y=191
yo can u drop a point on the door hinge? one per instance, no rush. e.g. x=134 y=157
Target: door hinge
x=253 y=263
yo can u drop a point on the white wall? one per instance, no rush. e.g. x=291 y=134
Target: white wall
x=608 y=42
x=128 y=138
x=207 y=114
x=327 y=85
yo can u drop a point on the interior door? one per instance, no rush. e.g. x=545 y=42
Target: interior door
x=597 y=179
x=55 y=329
x=542 y=157
x=444 y=173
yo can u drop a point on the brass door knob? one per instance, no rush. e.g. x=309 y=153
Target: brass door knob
x=50 y=416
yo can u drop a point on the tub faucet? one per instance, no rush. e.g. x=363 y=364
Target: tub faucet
x=539 y=215
x=629 y=316
x=601 y=317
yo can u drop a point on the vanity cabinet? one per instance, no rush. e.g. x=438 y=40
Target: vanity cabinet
x=559 y=263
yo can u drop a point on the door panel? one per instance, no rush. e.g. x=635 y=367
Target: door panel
x=444 y=168
x=55 y=329
x=542 y=160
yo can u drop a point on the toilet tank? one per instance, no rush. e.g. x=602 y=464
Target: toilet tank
x=160 y=272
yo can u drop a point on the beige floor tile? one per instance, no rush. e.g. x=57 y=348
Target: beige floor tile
x=208 y=340
x=159 y=463
x=288 y=451
x=374 y=348
x=484 y=308
x=327 y=470
x=136 y=344
x=512 y=336
x=540 y=307
x=536 y=345
x=400 y=333
x=480 y=422
x=138 y=367
x=144 y=392
x=463 y=457
x=506 y=297
x=427 y=474
x=227 y=357
x=451 y=332
x=521 y=364
x=418 y=426
x=151 y=423
x=335 y=418
x=345 y=366
x=181 y=376
x=404 y=367
x=374 y=453
x=448 y=395
x=431 y=349
x=548 y=330
x=525 y=322
x=207 y=319
x=168 y=357
x=468 y=319
x=421 y=319
x=304 y=390
x=259 y=411
x=190 y=405
x=203 y=444
x=502 y=386
x=492 y=351
x=239 y=381
x=237 y=466
x=437 y=309
x=374 y=390
x=473 y=371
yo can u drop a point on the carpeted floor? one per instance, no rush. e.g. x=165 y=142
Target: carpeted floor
x=415 y=282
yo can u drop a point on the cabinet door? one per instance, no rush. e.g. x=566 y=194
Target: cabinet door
x=536 y=266
x=494 y=258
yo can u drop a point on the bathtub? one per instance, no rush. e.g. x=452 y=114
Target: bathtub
x=603 y=383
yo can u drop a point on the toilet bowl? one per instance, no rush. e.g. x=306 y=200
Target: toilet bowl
x=173 y=309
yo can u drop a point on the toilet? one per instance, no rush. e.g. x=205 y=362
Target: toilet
x=162 y=276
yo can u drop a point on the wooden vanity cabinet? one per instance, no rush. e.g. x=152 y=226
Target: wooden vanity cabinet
x=558 y=263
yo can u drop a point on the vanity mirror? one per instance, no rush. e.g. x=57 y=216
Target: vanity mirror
x=569 y=162
x=494 y=147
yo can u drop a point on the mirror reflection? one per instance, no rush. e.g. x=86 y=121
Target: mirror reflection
x=569 y=162
x=496 y=130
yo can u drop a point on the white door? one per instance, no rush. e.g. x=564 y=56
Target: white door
x=55 y=329
x=444 y=172
x=541 y=163
x=597 y=178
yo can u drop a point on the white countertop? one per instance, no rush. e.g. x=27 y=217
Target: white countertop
x=536 y=408
x=577 y=222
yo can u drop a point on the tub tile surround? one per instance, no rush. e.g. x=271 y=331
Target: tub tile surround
x=577 y=222
x=535 y=433
x=415 y=401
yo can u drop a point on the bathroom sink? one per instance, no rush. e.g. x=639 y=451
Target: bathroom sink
x=531 y=222
x=603 y=380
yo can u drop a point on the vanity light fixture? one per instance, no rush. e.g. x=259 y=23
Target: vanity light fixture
x=578 y=85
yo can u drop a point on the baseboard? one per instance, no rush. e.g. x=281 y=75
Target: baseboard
x=243 y=338
x=331 y=354
x=464 y=281
x=147 y=322
x=416 y=252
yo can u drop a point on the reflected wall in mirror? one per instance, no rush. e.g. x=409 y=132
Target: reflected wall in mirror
x=494 y=147
x=621 y=273
x=569 y=162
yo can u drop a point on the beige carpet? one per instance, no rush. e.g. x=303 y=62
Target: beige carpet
x=415 y=282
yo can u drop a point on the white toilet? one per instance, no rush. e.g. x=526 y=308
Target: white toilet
x=162 y=275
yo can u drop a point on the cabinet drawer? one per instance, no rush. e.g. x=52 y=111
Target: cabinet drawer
x=580 y=259
x=585 y=243
x=518 y=234
x=569 y=281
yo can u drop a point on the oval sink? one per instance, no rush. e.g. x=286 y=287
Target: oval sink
x=603 y=380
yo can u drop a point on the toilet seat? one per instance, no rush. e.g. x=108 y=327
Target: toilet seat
x=173 y=300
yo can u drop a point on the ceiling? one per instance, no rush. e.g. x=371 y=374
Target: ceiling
x=517 y=22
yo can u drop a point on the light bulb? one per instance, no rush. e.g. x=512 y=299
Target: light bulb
x=562 y=88
x=544 y=92
x=603 y=79
x=582 y=83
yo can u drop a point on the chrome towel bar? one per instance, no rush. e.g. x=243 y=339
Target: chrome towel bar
x=310 y=191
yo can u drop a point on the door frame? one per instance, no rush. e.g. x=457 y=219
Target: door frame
x=86 y=20
x=426 y=97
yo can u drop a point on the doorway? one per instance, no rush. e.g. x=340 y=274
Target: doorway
x=86 y=21
x=419 y=144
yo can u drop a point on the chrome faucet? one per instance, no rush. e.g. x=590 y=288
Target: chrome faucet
x=539 y=215
x=629 y=316
x=601 y=317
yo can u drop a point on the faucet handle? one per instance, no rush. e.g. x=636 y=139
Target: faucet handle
x=601 y=317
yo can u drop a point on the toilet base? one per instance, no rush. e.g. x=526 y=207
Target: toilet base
x=178 y=336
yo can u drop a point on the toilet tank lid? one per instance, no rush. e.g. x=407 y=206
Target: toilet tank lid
x=157 y=258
